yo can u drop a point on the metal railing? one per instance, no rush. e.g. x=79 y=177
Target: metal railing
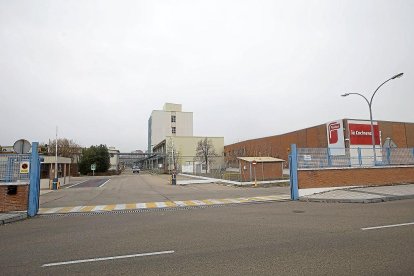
x=10 y=168
x=354 y=157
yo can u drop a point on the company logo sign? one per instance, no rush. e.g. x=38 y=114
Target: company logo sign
x=333 y=132
x=360 y=133
x=335 y=135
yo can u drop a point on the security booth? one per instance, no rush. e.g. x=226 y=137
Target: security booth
x=260 y=168
x=49 y=170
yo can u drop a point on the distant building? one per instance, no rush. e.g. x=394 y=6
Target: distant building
x=114 y=159
x=179 y=153
x=170 y=121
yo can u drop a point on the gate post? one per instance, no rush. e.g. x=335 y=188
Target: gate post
x=293 y=168
x=34 y=184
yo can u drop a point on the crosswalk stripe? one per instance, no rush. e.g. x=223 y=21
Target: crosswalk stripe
x=98 y=208
x=131 y=206
x=66 y=209
x=120 y=207
x=160 y=204
x=208 y=202
x=170 y=204
x=109 y=207
x=151 y=205
x=76 y=209
x=165 y=204
x=87 y=208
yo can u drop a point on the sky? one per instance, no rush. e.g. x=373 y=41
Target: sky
x=246 y=69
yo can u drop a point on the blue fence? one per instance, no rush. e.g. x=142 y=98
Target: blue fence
x=15 y=168
x=12 y=168
x=354 y=157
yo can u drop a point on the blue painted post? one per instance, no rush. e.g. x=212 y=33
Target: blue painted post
x=389 y=156
x=328 y=152
x=294 y=190
x=359 y=157
x=9 y=169
x=34 y=185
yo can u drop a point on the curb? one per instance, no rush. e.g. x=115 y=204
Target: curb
x=12 y=217
x=349 y=200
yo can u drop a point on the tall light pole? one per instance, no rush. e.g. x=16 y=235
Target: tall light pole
x=370 y=110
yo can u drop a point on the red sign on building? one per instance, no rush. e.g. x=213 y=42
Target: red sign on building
x=360 y=134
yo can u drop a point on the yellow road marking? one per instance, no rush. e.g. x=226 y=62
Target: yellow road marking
x=131 y=206
x=66 y=209
x=151 y=205
x=208 y=202
x=109 y=207
x=87 y=209
x=170 y=204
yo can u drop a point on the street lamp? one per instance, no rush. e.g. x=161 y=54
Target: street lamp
x=370 y=110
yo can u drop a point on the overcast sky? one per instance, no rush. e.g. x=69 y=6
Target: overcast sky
x=247 y=69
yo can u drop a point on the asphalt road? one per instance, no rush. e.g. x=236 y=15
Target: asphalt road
x=145 y=188
x=91 y=183
x=280 y=238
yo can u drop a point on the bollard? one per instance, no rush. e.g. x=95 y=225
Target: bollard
x=174 y=179
x=55 y=184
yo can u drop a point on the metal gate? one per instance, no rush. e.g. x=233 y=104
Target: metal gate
x=22 y=169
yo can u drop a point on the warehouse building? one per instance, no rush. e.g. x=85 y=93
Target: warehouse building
x=336 y=136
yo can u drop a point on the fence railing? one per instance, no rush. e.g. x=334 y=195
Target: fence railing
x=10 y=168
x=353 y=157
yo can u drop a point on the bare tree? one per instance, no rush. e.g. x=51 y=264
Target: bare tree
x=204 y=151
x=173 y=155
x=66 y=148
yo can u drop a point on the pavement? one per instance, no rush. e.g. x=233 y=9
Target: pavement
x=364 y=194
x=12 y=217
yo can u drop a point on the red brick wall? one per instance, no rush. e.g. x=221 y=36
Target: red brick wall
x=354 y=177
x=314 y=137
x=17 y=202
x=269 y=171
x=278 y=146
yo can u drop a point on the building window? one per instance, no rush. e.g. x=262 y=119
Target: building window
x=173 y=118
x=173 y=130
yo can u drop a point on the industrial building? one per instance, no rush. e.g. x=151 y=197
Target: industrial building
x=335 y=136
x=172 y=146
x=170 y=121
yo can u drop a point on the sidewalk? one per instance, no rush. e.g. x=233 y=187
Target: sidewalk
x=363 y=195
x=12 y=217
x=194 y=179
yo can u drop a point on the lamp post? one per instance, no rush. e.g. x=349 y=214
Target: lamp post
x=370 y=110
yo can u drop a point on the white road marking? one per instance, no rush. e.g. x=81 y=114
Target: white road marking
x=120 y=207
x=75 y=184
x=160 y=204
x=180 y=203
x=199 y=202
x=216 y=201
x=104 y=183
x=387 y=226
x=109 y=258
x=53 y=210
x=76 y=209
x=141 y=205
x=98 y=208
